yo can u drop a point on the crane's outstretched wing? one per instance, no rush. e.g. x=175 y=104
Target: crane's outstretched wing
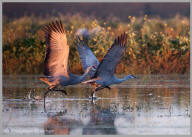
x=107 y=66
x=86 y=55
x=57 y=50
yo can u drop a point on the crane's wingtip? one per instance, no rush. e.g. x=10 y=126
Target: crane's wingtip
x=55 y=26
x=121 y=39
x=81 y=40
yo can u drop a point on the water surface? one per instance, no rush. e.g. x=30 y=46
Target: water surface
x=150 y=104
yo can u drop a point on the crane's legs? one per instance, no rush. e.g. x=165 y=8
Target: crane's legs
x=93 y=96
x=44 y=98
x=49 y=90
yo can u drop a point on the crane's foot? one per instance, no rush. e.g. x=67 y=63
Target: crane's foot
x=108 y=87
x=93 y=97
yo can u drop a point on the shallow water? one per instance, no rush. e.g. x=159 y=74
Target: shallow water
x=150 y=104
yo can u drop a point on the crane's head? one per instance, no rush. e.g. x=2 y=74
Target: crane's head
x=130 y=77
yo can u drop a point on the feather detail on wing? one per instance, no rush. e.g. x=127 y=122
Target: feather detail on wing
x=108 y=65
x=57 y=50
x=86 y=55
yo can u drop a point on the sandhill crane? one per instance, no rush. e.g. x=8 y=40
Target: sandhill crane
x=103 y=77
x=56 y=69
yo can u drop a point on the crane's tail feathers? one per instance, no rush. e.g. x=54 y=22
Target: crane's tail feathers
x=46 y=80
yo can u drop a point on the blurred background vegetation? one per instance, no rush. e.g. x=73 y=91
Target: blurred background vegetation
x=157 y=44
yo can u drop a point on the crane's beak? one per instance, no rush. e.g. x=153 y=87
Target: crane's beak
x=132 y=76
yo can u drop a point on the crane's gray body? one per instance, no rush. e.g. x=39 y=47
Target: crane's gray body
x=104 y=74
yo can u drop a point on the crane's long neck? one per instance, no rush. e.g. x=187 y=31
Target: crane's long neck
x=118 y=80
x=75 y=79
x=82 y=77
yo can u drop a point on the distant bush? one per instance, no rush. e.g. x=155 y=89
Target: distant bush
x=154 y=45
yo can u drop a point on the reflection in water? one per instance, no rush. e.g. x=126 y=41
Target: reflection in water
x=148 y=105
x=57 y=124
x=101 y=122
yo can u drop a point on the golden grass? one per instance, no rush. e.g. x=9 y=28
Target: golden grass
x=155 y=45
